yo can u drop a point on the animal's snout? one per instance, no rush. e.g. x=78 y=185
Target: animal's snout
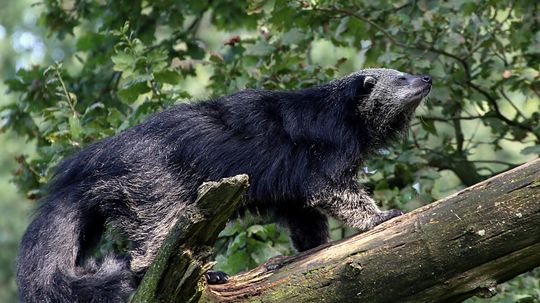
x=420 y=81
x=427 y=79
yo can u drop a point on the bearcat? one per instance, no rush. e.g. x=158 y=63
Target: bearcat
x=302 y=150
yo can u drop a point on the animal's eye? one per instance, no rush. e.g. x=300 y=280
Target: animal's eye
x=402 y=78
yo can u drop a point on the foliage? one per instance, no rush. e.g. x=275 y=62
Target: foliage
x=128 y=59
x=244 y=244
x=13 y=214
x=14 y=209
x=523 y=289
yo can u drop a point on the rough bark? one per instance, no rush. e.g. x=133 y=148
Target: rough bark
x=447 y=251
x=176 y=273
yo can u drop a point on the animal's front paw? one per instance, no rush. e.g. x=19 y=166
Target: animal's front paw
x=387 y=215
x=216 y=277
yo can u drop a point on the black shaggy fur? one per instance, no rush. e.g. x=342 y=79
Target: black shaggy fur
x=301 y=149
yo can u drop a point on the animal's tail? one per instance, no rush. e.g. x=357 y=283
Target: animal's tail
x=51 y=265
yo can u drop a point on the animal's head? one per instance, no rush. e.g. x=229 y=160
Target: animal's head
x=385 y=99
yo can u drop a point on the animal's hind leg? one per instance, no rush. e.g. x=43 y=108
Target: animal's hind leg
x=308 y=226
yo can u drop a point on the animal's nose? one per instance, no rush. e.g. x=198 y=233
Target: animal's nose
x=426 y=79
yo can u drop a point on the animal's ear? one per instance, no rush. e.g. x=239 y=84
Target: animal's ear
x=361 y=86
x=369 y=83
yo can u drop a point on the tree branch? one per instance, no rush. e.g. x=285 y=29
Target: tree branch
x=176 y=273
x=493 y=101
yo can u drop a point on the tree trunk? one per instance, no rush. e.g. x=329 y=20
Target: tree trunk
x=447 y=251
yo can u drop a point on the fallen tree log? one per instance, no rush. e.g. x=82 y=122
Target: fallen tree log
x=450 y=250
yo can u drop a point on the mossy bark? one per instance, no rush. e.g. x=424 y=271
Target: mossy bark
x=447 y=251
x=176 y=273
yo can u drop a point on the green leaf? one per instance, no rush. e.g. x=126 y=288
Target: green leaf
x=429 y=126
x=123 y=61
x=260 y=49
x=75 y=127
x=235 y=262
x=262 y=251
x=231 y=229
x=258 y=230
x=294 y=36
x=89 y=41
x=535 y=149
x=168 y=76
x=238 y=243
x=115 y=117
x=130 y=93
x=15 y=85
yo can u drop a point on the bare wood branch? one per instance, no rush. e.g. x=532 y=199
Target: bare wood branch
x=176 y=273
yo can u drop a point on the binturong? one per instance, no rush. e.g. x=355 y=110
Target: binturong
x=302 y=150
